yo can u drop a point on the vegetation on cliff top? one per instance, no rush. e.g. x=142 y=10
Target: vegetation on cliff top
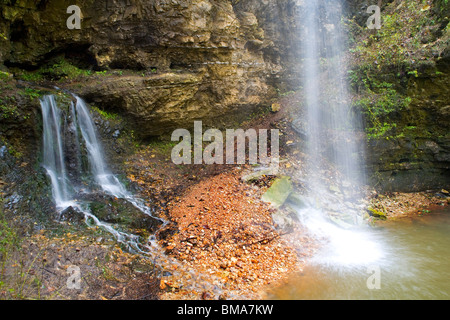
x=414 y=36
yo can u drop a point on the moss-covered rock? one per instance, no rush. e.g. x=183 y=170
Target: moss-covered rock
x=376 y=213
x=400 y=76
x=278 y=192
x=121 y=212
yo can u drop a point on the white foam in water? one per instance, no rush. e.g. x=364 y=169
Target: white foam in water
x=345 y=247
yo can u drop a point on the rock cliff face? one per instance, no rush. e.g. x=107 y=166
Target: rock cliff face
x=215 y=61
x=194 y=60
x=415 y=156
x=408 y=126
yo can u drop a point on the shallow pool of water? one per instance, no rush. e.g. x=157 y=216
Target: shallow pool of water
x=412 y=261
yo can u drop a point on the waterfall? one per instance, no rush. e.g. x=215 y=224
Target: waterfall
x=54 y=153
x=332 y=124
x=333 y=140
x=66 y=133
x=104 y=178
x=53 y=160
x=72 y=134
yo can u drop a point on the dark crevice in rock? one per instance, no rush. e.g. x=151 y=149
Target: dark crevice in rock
x=19 y=33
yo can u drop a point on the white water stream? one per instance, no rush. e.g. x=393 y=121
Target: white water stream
x=54 y=161
x=332 y=130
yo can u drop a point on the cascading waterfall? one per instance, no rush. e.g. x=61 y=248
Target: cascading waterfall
x=105 y=179
x=331 y=121
x=55 y=162
x=70 y=131
x=333 y=139
x=99 y=169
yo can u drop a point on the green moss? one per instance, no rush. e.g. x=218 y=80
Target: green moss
x=9 y=109
x=8 y=112
x=31 y=76
x=414 y=73
x=391 y=67
x=9 y=241
x=31 y=93
x=105 y=114
x=63 y=69
x=162 y=147
x=376 y=213
x=59 y=70
x=382 y=131
x=284 y=93
x=377 y=101
x=101 y=73
x=400 y=41
x=4 y=75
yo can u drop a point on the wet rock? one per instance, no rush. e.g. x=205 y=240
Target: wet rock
x=257 y=174
x=13 y=200
x=415 y=156
x=335 y=189
x=340 y=223
x=121 y=211
x=297 y=201
x=300 y=127
x=376 y=213
x=278 y=193
x=283 y=219
x=72 y=215
x=442 y=195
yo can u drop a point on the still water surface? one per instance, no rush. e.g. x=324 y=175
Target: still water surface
x=411 y=260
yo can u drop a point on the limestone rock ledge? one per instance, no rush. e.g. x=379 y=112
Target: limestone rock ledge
x=194 y=60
